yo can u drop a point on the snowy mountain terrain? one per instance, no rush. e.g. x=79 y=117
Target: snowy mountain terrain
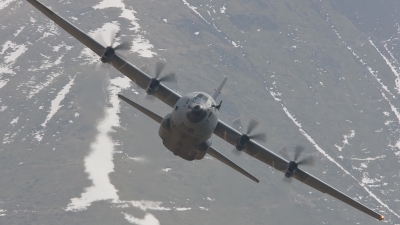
x=324 y=74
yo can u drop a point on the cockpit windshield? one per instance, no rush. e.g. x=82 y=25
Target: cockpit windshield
x=205 y=98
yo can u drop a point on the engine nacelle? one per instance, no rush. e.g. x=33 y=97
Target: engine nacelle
x=242 y=142
x=153 y=86
x=108 y=55
x=291 y=169
x=203 y=147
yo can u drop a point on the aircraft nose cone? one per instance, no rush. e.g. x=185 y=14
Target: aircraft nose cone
x=196 y=113
x=197 y=110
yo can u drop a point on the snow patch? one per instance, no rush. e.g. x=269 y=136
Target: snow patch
x=146 y=205
x=369 y=158
x=3 y=107
x=9 y=60
x=143 y=47
x=148 y=219
x=194 y=9
x=2 y=212
x=136 y=159
x=14 y=121
x=182 y=209
x=19 y=31
x=346 y=140
x=3 y=82
x=222 y=9
x=234 y=44
x=55 y=106
x=5 y=3
x=99 y=163
x=48 y=30
x=40 y=86
x=166 y=169
x=393 y=68
x=371 y=71
x=126 y=13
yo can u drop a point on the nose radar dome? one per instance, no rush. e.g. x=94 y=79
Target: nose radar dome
x=197 y=110
x=196 y=113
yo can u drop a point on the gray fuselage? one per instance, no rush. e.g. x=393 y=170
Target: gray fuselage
x=188 y=129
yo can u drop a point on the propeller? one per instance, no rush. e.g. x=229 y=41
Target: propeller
x=107 y=40
x=245 y=138
x=293 y=164
x=155 y=82
x=166 y=78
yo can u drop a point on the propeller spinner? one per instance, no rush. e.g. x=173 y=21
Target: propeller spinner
x=245 y=138
x=294 y=164
x=155 y=82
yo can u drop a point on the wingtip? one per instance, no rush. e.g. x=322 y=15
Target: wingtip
x=253 y=178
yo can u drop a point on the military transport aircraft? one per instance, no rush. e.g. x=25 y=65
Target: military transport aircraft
x=187 y=130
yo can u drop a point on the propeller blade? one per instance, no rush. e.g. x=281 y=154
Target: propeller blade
x=153 y=85
x=168 y=78
x=150 y=97
x=237 y=124
x=236 y=152
x=113 y=35
x=309 y=161
x=159 y=67
x=297 y=151
x=98 y=66
x=287 y=180
x=252 y=124
x=260 y=137
x=101 y=66
x=109 y=36
x=283 y=152
x=145 y=69
x=126 y=45
x=99 y=38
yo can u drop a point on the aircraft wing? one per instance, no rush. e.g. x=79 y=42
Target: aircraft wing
x=211 y=151
x=265 y=155
x=165 y=94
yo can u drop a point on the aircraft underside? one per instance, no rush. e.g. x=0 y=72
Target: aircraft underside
x=178 y=142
